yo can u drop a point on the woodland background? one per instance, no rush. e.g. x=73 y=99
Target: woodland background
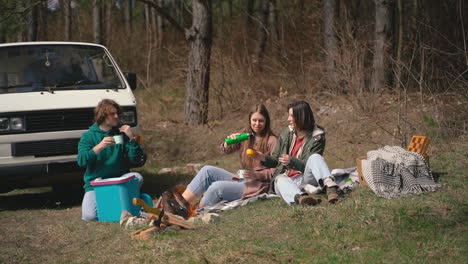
x=375 y=72
x=214 y=57
x=226 y=51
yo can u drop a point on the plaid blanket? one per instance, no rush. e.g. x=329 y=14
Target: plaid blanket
x=346 y=179
x=393 y=172
x=228 y=205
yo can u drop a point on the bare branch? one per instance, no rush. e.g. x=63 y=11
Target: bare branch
x=164 y=14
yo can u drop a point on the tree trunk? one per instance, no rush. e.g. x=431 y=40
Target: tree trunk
x=250 y=13
x=97 y=22
x=199 y=38
x=2 y=34
x=108 y=21
x=262 y=31
x=230 y=8
x=32 y=26
x=148 y=28
x=67 y=20
x=44 y=28
x=329 y=11
x=160 y=24
x=20 y=36
x=399 y=27
x=149 y=42
x=382 y=17
x=128 y=17
x=273 y=24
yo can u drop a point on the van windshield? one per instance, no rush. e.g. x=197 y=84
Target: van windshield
x=32 y=68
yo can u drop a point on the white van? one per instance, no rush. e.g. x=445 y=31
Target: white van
x=48 y=91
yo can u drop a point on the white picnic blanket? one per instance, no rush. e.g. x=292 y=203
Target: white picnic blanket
x=346 y=179
x=226 y=205
x=393 y=172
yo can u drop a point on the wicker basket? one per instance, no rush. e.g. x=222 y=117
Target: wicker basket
x=420 y=144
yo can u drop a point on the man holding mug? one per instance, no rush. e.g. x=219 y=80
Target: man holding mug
x=106 y=150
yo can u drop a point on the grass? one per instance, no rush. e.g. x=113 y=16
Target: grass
x=36 y=227
x=362 y=228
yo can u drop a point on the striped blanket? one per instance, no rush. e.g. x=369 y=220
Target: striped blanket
x=393 y=172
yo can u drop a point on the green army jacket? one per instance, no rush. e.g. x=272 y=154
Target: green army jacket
x=314 y=142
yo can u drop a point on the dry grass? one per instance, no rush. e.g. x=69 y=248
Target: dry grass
x=431 y=228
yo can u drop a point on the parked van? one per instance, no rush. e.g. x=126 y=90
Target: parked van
x=48 y=91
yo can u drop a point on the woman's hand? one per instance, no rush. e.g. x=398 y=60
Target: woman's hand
x=285 y=159
x=232 y=136
x=105 y=142
x=249 y=174
x=127 y=130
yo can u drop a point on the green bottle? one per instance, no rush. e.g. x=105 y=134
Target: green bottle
x=239 y=138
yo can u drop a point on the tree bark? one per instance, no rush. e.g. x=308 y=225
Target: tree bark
x=164 y=14
x=67 y=20
x=199 y=38
x=329 y=11
x=148 y=25
x=379 y=67
x=2 y=34
x=97 y=22
x=273 y=25
x=44 y=28
x=108 y=21
x=160 y=25
x=399 y=28
x=128 y=17
x=32 y=25
x=262 y=31
x=230 y=8
x=250 y=13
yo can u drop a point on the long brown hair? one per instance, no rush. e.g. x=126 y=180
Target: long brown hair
x=104 y=108
x=259 y=144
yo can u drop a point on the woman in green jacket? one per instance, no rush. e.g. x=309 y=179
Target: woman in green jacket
x=102 y=156
x=298 y=158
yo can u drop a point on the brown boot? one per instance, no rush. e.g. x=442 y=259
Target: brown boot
x=332 y=194
x=306 y=199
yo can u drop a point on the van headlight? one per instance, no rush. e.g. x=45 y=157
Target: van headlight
x=4 y=124
x=11 y=123
x=16 y=123
x=128 y=117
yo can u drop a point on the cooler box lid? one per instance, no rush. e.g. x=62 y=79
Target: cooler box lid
x=110 y=181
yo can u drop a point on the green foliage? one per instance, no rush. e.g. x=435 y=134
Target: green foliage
x=12 y=17
x=430 y=122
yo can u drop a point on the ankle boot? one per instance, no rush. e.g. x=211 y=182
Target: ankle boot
x=332 y=194
x=306 y=199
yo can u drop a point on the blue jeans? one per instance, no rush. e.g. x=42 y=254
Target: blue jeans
x=217 y=185
x=89 y=207
x=316 y=170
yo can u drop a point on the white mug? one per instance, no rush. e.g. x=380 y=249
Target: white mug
x=118 y=139
x=240 y=174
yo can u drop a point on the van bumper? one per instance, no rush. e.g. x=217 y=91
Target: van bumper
x=39 y=173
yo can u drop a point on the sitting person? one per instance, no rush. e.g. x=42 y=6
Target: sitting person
x=102 y=156
x=219 y=184
x=298 y=158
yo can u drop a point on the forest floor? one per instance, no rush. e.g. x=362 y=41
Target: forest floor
x=37 y=227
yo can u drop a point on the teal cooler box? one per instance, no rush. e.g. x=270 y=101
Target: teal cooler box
x=113 y=195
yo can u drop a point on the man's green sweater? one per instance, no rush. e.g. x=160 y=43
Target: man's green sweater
x=112 y=161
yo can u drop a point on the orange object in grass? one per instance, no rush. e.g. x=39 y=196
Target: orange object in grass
x=250 y=152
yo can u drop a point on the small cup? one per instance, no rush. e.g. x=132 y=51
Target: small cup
x=118 y=139
x=240 y=174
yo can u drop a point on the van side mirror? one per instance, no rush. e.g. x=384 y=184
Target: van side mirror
x=131 y=79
